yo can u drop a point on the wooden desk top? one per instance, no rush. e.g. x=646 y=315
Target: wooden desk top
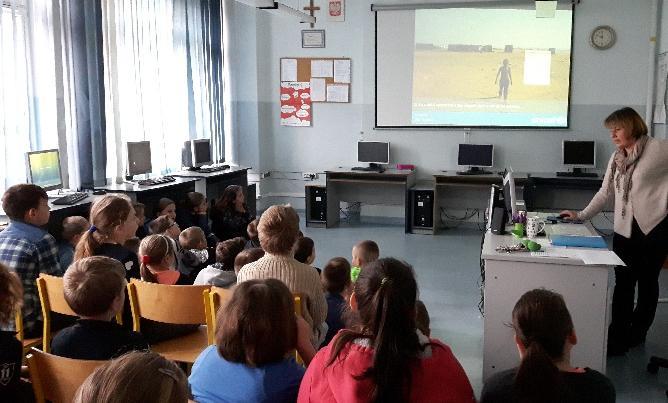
x=199 y=174
x=389 y=175
x=135 y=188
x=451 y=177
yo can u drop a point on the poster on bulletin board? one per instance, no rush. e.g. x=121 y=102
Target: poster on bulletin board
x=295 y=104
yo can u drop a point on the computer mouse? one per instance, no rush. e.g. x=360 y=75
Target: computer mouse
x=99 y=192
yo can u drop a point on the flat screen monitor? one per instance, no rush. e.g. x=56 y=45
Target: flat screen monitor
x=139 y=157
x=44 y=169
x=375 y=152
x=509 y=194
x=579 y=153
x=476 y=155
x=201 y=152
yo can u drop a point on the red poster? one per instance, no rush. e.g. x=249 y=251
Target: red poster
x=295 y=104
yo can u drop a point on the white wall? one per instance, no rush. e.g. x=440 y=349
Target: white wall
x=602 y=81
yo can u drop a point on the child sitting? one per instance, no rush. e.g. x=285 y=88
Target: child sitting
x=27 y=249
x=247 y=256
x=73 y=229
x=305 y=252
x=12 y=388
x=94 y=288
x=253 y=239
x=194 y=254
x=164 y=225
x=336 y=283
x=156 y=254
x=221 y=273
x=166 y=207
x=140 y=213
x=363 y=252
x=135 y=377
x=193 y=213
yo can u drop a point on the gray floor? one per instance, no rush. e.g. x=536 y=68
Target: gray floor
x=447 y=268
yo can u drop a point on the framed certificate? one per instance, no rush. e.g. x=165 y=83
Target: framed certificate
x=313 y=38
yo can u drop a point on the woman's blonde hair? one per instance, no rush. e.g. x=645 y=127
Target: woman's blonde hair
x=278 y=229
x=106 y=214
x=11 y=294
x=136 y=377
x=629 y=119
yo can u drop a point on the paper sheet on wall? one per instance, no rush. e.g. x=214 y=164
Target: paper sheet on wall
x=342 y=71
x=321 y=68
x=318 y=90
x=295 y=104
x=660 y=97
x=337 y=93
x=288 y=69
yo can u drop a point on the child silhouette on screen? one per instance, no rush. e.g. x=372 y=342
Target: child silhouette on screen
x=504 y=78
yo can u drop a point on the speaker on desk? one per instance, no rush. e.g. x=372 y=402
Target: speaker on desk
x=423 y=208
x=316 y=204
x=498 y=220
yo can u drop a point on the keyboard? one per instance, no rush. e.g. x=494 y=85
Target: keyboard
x=70 y=199
x=368 y=169
x=578 y=174
x=218 y=168
x=156 y=181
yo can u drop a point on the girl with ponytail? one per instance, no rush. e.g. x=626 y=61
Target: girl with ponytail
x=385 y=358
x=156 y=253
x=544 y=335
x=113 y=222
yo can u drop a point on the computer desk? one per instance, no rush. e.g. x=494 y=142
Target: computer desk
x=150 y=195
x=61 y=211
x=547 y=191
x=213 y=184
x=587 y=290
x=386 y=188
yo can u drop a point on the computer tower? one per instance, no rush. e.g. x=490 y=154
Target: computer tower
x=422 y=202
x=316 y=205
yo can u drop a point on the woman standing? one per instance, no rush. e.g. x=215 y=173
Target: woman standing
x=637 y=180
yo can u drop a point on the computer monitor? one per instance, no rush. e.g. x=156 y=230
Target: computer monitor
x=373 y=152
x=139 y=157
x=201 y=152
x=475 y=156
x=509 y=195
x=578 y=153
x=43 y=169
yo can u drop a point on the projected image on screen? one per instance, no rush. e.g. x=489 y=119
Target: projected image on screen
x=491 y=67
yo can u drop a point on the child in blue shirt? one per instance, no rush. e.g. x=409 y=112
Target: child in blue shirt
x=337 y=284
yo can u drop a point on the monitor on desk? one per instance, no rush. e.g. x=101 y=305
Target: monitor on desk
x=509 y=194
x=139 y=157
x=475 y=156
x=578 y=154
x=43 y=169
x=374 y=153
x=196 y=153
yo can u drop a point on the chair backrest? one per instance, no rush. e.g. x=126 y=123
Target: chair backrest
x=51 y=297
x=57 y=378
x=18 y=324
x=175 y=304
x=299 y=306
x=214 y=299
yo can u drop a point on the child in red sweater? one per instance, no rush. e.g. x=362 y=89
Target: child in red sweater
x=385 y=359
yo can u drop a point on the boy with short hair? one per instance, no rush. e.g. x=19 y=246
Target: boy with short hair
x=27 y=249
x=363 y=252
x=336 y=283
x=73 y=229
x=194 y=254
x=253 y=239
x=94 y=288
x=140 y=213
x=221 y=273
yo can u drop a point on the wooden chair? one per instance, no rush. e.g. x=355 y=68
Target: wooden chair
x=214 y=299
x=51 y=296
x=174 y=304
x=299 y=300
x=57 y=379
x=20 y=333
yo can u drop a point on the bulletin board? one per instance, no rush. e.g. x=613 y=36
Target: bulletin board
x=327 y=84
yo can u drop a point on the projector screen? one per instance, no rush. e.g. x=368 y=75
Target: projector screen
x=473 y=67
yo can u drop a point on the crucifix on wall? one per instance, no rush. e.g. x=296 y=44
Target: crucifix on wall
x=311 y=8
